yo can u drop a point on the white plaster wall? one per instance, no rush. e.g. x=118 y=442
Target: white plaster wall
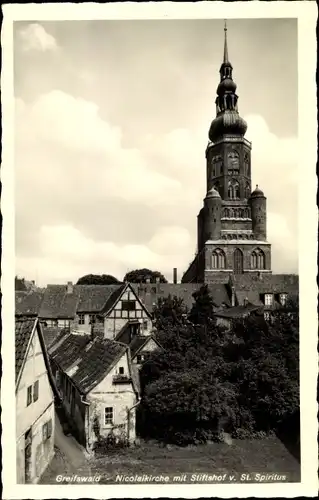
x=34 y=415
x=119 y=396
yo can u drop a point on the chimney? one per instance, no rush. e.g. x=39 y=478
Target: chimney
x=175 y=275
x=69 y=287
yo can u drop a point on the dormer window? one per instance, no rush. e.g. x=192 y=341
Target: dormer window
x=268 y=299
x=283 y=299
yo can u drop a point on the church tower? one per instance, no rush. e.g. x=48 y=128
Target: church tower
x=232 y=225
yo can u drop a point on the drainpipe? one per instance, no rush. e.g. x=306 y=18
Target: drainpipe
x=128 y=418
x=88 y=420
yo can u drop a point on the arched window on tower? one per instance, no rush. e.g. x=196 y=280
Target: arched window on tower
x=218 y=259
x=233 y=162
x=246 y=165
x=233 y=190
x=217 y=165
x=247 y=190
x=257 y=259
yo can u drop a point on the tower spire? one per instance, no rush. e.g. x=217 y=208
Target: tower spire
x=225 y=43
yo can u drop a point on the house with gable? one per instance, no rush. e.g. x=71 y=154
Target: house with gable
x=35 y=392
x=141 y=346
x=97 y=387
x=125 y=307
x=107 y=308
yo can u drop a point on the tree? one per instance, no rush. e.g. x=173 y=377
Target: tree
x=98 y=279
x=19 y=284
x=202 y=311
x=245 y=381
x=169 y=310
x=141 y=275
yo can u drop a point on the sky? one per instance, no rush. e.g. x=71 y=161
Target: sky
x=111 y=126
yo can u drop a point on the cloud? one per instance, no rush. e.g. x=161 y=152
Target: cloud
x=95 y=205
x=35 y=38
x=68 y=254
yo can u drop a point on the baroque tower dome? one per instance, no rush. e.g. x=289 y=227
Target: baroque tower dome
x=213 y=193
x=227 y=121
x=257 y=193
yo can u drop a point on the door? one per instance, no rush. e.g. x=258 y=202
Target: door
x=238 y=261
x=28 y=456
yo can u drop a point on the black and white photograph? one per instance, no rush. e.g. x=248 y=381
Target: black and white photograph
x=161 y=239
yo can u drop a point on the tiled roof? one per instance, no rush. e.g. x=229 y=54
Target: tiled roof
x=52 y=334
x=267 y=283
x=93 y=358
x=150 y=293
x=237 y=312
x=253 y=296
x=219 y=294
x=114 y=295
x=137 y=343
x=94 y=298
x=58 y=303
x=27 y=303
x=23 y=330
x=52 y=302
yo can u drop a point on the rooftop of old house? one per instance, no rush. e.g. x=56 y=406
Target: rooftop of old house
x=237 y=311
x=64 y=301
x=85 y=360
x=23 y=331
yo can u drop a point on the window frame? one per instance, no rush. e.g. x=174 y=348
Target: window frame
x=47 y=429
x=92 y=319
x=269 y=299
x=35 y=391
x=110 y=419
x=29 y=395
x=127 y=302
x=81 y=319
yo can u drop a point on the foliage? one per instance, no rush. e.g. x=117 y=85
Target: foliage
x=19 y=284
x=244 y=381
x=141 y=275
x=203 y=307
x=98 y=279
x=169 y=310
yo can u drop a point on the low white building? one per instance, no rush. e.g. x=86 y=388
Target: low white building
x=97 y=387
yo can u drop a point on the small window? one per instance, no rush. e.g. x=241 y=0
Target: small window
x=36 y=391
x=108 y=415
x=92 y=319
x=81 y=319
x=139 y=358
x=29 y=395
x=145 y=324
x=47 y=430
x=283 y=299
x=267 y=316
x=128 y=305
x=121 y=370
x=268 y=299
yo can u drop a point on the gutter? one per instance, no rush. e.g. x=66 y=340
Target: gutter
x=82 y=399
x=128 y=418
